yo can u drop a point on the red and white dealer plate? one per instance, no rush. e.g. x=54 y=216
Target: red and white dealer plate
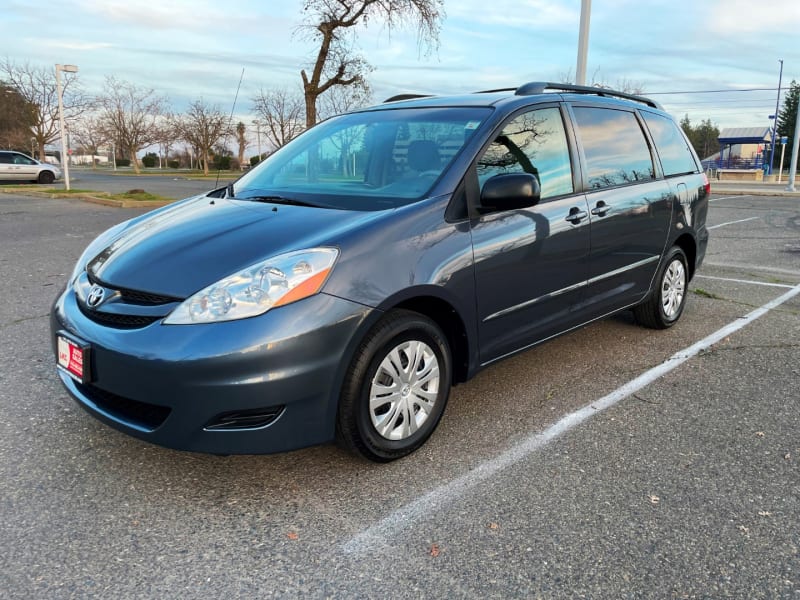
x=73 y=357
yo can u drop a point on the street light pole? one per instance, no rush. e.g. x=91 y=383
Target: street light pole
x=775 y=122
x=257 y=123
x=793 y=160
x=583 y=42
x=59 y=93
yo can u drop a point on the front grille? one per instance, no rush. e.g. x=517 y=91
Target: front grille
x=143 y=414
x=135 y=296
x=117 y=320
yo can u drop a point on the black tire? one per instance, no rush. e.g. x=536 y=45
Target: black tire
x=46 y=177
x=356 y=429
x=652 y=312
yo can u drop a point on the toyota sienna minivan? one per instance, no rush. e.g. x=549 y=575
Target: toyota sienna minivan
x=338 y=290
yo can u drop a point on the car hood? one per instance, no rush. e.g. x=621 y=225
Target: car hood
x=186 y=247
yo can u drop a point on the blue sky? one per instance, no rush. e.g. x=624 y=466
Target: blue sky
x=187 y=49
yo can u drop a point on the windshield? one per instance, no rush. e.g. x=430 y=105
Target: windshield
x=365 y=161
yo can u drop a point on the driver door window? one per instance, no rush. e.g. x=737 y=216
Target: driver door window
x=534 y=142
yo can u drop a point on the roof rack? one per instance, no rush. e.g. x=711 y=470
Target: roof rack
x=539 y=87
x=399 y=97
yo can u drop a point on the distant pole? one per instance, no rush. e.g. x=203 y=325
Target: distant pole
x=583 y=42
x=60 y=93
x=780 y=165
x=775 y=122
x=793 y=162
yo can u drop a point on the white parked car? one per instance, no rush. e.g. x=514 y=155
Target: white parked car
x=17 y=166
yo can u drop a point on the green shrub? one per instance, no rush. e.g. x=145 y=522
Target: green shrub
x=123 y=162
x=254 y=160
x=150 y=160
x=174 y=164
x=223 y=163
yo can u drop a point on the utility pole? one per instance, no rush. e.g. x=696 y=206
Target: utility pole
x=775 y=121
x=583 y=42
x=793 y=162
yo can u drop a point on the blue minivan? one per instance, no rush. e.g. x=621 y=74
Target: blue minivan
x=340 y=288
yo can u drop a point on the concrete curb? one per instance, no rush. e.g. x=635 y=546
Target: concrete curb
x=92 y=199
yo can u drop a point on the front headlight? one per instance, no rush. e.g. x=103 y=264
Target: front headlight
x=253 y=291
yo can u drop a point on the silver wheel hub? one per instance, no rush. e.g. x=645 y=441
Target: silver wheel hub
x=673 y=288
x=404 y=390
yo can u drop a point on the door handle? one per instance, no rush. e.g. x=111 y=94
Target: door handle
x=601 y=209
x=576 y=215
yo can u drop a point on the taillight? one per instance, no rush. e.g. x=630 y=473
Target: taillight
x=706 y=185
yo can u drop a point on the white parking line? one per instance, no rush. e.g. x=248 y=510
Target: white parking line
x=780 y=285
x=745 y=267
x=381 y=533
x=730 y=197
x=732 y=223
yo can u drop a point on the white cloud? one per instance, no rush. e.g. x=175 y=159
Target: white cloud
x=745 y=16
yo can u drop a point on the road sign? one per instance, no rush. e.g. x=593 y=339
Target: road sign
x=784 y=140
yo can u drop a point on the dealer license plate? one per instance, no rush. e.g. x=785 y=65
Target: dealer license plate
x=73 y=357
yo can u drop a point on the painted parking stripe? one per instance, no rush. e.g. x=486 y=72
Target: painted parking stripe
x=730 y=197
x=751 y=282
x=732 y=223
x=746 y=267
x=381 y=533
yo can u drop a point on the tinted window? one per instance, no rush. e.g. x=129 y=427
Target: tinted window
x=534 y=142
x=615 y=147
x=19 y=159
x=673 y=150
x=5 y=158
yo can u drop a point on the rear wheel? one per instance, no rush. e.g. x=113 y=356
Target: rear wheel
x=46 y=177
x=396 y=388
x=665 y=304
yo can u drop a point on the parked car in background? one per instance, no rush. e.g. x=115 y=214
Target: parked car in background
x=16 y=166
x=344 y=284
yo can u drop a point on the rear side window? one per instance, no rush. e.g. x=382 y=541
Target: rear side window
x=5 y=158
x=673 y=150
x=615 y=147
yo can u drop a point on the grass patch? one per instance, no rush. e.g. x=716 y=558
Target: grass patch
x=707 y=294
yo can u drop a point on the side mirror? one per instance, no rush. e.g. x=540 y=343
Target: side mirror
x=510 y=191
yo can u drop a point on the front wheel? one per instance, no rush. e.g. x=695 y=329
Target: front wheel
x=664 y=306
x=396 y=388
x=46 y=177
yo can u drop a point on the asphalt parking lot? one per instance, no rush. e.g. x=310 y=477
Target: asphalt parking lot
x=547 y=476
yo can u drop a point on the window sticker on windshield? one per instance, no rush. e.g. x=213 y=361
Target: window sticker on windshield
x=472 y=125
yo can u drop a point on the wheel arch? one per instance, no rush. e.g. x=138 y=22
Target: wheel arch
x=445 y=315
x=687 y=243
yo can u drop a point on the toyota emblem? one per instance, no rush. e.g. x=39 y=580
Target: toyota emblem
x=95 y=297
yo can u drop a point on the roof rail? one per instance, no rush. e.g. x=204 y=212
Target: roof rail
x=539 y=87
x=511 y=89
x=399 y=97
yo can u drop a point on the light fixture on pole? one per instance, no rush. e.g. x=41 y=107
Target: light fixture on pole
x=59 y=92
x=775 y=116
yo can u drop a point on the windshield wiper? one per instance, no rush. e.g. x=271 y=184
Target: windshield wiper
x=276 y=199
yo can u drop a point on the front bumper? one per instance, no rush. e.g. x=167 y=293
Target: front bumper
x=170 y=384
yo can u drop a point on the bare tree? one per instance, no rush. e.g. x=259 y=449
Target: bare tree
x=241 y=141
x=37 y=86
x=625 y=85
x=131 y=114
x=340 y=99
x=203 y=126
x=281 y=114
x=91 y=134
x=331 y=24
